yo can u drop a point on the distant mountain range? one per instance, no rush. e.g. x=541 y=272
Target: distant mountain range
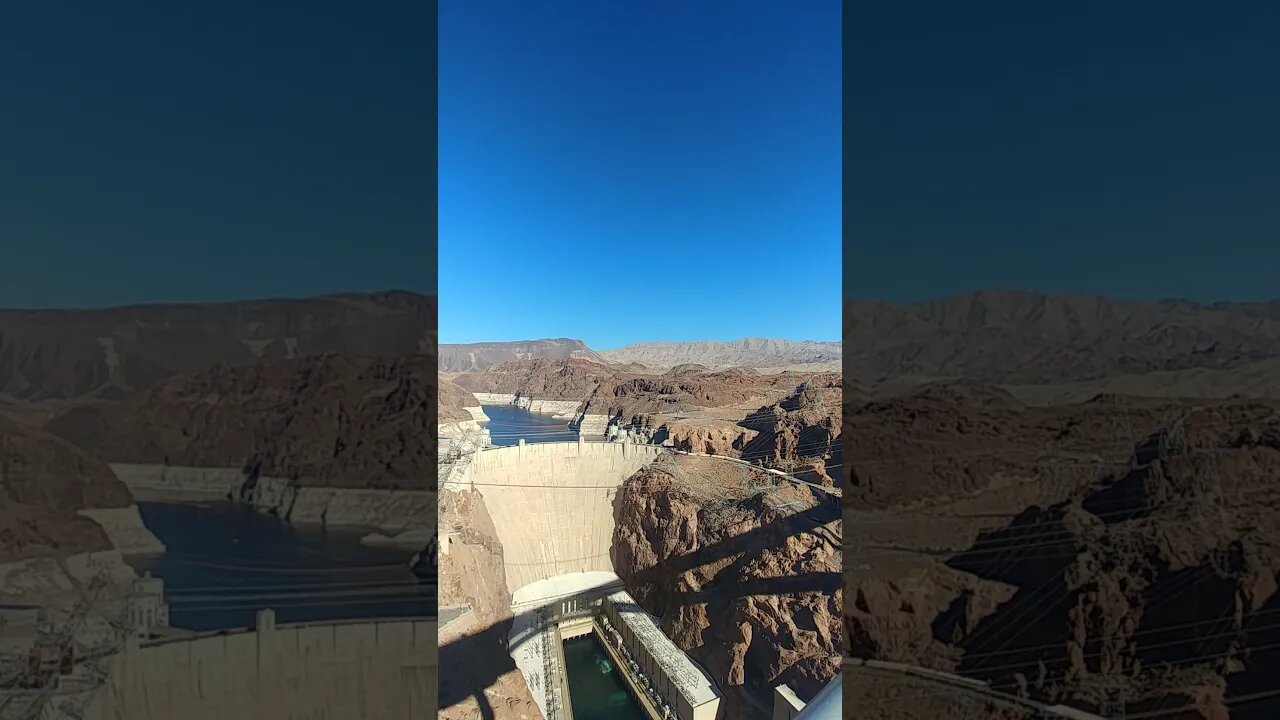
x=478 y=356
x=113 y=351
x=748 y=352
x=1031 y=338
x=1006 y=338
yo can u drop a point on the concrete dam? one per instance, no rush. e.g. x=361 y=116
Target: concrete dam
x=552 y=503
x=552 y=506
x=376 y=670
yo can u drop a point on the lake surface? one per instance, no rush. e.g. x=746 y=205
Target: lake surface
x=225 y=561
x=508 y=423
x=596 y=689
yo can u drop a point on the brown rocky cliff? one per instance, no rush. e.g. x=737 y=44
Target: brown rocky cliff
x=801 y=432
x=326 y=420
x=478 y=677
x=712 y=437
x=44 y=481
x=541 y=378
x=728 y=581
x=472 y=571
x=634 y=397
x=453 y=399
x=1157 y=571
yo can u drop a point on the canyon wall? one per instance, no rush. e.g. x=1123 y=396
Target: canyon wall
x=746 y=583
x=593 y=425
x=555 y=408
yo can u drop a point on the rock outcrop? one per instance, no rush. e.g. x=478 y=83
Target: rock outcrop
x=481 y=678
x=471 y=571
x=455 y=403
x=1120 y=543
x=801 y=432
x=323 y=421
x=45 y=485
x=632 y=398
x=710 y=437
x=744 y=579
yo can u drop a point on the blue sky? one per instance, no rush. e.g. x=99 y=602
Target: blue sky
x=214 y=150
x=1120 y=148
x=621 y=172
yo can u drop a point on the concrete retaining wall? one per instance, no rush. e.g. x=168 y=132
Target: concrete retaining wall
x=552 y=503
x=368 y=670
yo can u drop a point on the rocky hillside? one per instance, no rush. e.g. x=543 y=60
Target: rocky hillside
x=452 y=400
x=1025 y=338
x=111 y=352
x=44 y=481
x=482 y=680
x=479 y=356
x=747 y=353
x=607 y=391
x=541 y=378
x=1045 y=549
x=325 y=420
x=801 y=432
x=742 y=570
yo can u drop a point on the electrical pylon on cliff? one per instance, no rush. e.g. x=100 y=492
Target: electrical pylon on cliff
x=54 y=652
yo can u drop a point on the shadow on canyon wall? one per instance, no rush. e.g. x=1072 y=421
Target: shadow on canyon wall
x=486 y=653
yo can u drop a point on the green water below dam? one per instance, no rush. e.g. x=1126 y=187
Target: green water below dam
x=597 y=690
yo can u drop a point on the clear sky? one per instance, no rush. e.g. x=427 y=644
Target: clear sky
x=1123 y=148
x=157 y=151
x=632 y=171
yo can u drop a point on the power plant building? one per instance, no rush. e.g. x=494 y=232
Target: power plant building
x=684 y=686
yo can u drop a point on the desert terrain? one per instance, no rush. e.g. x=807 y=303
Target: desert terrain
x=740 y=568
x=1070 y=499
x=329 y=394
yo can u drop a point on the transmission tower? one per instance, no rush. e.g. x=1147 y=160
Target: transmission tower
x=59 y=645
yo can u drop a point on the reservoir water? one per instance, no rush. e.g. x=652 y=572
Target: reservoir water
x=225 y=561
x=508 y=423
x=596 y=688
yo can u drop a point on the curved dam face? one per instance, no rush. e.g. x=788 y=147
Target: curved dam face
x=384 y=670
x=552 y=503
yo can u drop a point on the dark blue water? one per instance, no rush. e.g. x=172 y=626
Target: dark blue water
x=508 y=423
x=226 y=561
x=596 y=689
